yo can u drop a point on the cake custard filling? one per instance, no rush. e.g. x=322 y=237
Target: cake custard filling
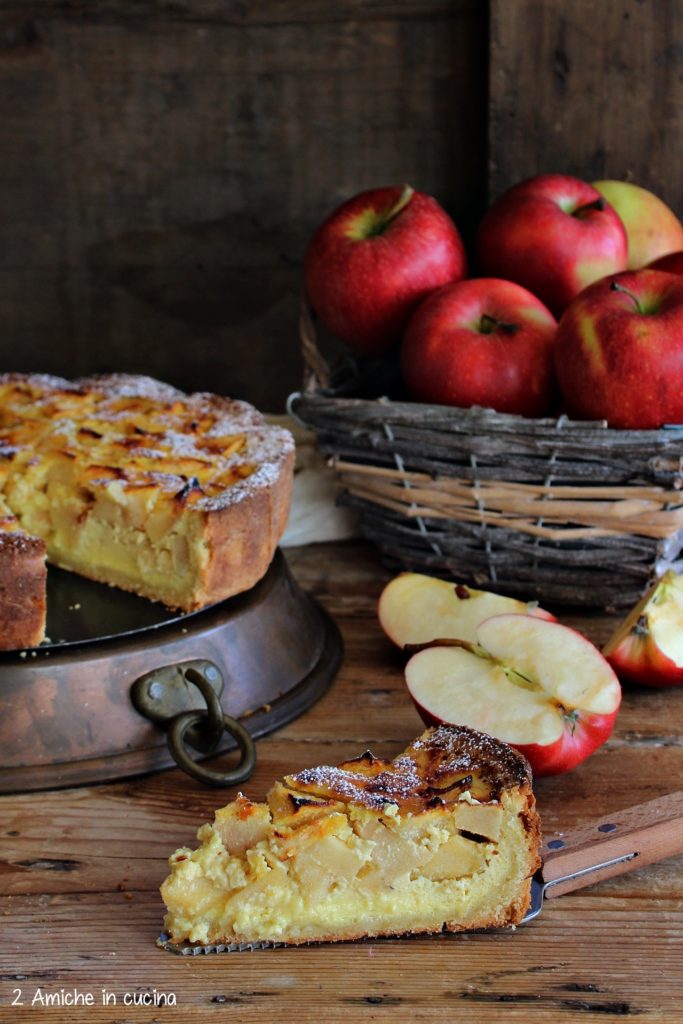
x=119 y=476
x=445 y=836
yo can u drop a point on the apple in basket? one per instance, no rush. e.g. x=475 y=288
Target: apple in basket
x=375 y=257
x=482 y=342
x=647 y=648
x=619 y=350
x=540 y=686
x=672 y=263
x=416 y=609
x=652 y=229
x=554 y=234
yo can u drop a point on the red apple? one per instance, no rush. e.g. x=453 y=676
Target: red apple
x=540 y=686
x=374 y=259
x=619 y=351
x=416 y=609
x=555 y=235
x=652 y=229
x=672 y=263
x=647 y=648
x=482 y=342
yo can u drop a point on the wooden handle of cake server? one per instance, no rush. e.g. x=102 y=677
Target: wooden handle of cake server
x=613 y=845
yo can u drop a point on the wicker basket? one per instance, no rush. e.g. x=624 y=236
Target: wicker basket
x=567 y=512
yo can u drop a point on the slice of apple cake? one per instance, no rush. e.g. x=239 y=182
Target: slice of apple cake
x=180 y=498
x=444 y=837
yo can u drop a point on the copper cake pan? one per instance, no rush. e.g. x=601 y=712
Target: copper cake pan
x=67 y=714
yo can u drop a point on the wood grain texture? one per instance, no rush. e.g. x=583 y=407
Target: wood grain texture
x=164 y=164
x=609 y=846
x=590 y=89
x=79 y=872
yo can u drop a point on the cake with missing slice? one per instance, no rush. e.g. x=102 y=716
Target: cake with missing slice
x=181 y=498
x=444 y=837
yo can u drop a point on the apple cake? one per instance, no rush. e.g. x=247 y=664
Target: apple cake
x=444 y=837
x=180 y=498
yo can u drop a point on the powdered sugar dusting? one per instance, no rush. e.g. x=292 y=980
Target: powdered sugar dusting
x=21 y=544
x=124 y=385
x=493 y=758
x=217 y=451
x=392 y=786
x=439 y=766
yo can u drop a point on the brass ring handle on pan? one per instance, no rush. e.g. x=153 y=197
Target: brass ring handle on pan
x=164 y=696
x=210 y=720
x=176 y=744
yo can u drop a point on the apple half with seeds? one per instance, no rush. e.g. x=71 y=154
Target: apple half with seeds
x=647 y=648
x=415 y=609
x=542 y=687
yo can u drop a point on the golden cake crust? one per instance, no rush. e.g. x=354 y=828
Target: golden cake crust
x=22 y=590
x=211 y=461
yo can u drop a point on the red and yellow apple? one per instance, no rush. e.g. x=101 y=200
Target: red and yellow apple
x=672 y=263
x=371 y=262
x=647 y=648
x=416 y=609
x=540 y=686
x=619 y=351
x=652 y=228
x=554 y=234
x=482 y=342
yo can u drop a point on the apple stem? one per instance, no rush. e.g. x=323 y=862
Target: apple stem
x=595 y=204
x=400 y=204
x=571 y=717
x=641 y=627
x=488 y=324
x=616 y=287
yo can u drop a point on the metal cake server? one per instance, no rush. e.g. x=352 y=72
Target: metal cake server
x=608 y=846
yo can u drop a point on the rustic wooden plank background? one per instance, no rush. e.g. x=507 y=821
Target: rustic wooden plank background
x=593 y=89
x=164 y=163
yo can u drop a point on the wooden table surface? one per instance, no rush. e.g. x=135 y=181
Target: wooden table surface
x=80 y=871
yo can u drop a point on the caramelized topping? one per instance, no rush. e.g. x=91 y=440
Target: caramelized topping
x=461 y=784
x=367 y=757
x=440 y=766
x=192 y=449
x=187 y=489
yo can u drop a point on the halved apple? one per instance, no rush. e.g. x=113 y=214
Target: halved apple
x=647 y=648
x=415 y=609
x=540 y=686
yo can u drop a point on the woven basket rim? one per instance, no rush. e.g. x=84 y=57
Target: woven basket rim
x=318 y=390
x=479 y=416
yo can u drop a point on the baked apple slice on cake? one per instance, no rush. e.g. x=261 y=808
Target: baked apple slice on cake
x=444 y=837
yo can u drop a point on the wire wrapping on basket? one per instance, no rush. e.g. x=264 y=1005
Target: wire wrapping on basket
x=547 y=484
x=476 y=486
x=400 y=465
